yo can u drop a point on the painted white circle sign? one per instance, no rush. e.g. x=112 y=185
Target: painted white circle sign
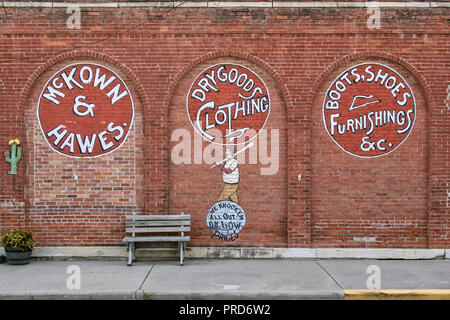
x=228 y=104
x=225 y=219
x=85 y=110
x=369 y=110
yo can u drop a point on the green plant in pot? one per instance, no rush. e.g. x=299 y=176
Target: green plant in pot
x=18 y=246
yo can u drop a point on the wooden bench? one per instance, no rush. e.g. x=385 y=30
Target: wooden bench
x=147 y=224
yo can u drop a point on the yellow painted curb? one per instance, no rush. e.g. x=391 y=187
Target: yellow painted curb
x=433 y=294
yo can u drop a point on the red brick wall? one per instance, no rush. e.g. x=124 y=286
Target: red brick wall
x=78 y=200
x=382 y=198
x=297 y=52
x=194 y=187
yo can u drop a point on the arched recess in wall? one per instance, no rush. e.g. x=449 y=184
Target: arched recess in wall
x=369 y=201
x=194 y=187
x=82 y=201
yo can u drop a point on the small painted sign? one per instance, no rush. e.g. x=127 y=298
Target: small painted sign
x=85 y=110
x=225 y=101
x=369 y=110
x=225 y=219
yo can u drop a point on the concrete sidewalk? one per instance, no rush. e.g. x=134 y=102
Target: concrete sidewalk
x=219 y=279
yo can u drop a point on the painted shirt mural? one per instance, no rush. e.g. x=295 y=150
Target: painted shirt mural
x=225 y=101
x=369 y=110
x=85 y=110
x=228 y=104
x=230 y=176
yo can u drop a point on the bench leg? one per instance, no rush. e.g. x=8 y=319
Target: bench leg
x=130 y=253
x=181 y=245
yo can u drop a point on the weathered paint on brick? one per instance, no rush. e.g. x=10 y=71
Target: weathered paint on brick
x=398 y=200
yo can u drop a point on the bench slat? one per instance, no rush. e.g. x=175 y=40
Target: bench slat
x=158 y=229
x=155 y=239
x=159 y=217
x=158 y=223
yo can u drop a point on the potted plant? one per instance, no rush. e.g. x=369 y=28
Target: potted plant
x=18 y=245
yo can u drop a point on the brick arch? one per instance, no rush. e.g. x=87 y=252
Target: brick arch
x=174 y=98
x=213 y=55
x=423 y=87
x=228 y=53
x=428 y=94
x=140 y=100
x=77 y=54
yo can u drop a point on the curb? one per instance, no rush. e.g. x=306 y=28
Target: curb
x=176 y=295
x=242 y=295
x=86 y=295
x=406 y=294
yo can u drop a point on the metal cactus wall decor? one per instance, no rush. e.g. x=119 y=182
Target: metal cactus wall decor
x=13 y=156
